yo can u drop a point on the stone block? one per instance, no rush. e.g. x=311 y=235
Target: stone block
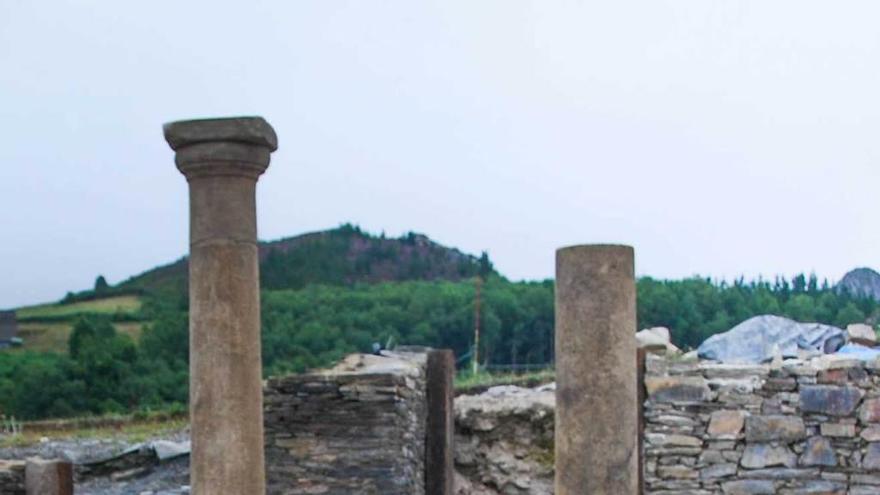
x=837 y=430
x=749 y=487
x=726 y=424
x=871 y=434
x=677 y=389
x=870 y=411
x=832 y=377
x=48 y=477
x=860 y=333
x=716 y=471
x=829 y=400
x=760 y=455
x=816 y=487
x=781 y=473
x=871 y=460
x=818 y=451
x=663 y=440
x=774 y=428
x=677 y=472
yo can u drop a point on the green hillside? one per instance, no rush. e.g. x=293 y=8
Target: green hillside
x=124 y=348
x=342 y=256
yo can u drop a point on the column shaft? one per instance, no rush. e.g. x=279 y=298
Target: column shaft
x=222 y=160
x=596 y=415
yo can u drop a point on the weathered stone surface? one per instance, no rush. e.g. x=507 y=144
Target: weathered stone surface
x=749 y=487
x=726 y=424
x=677 y=472
x=222 y=160
x=782 y=473
x=678 y=389
x=663 y=440
x=832 y=377
x=670 y=420
x=837 y=430
x=736 y=371
x=596 y=438
x=48 y=477
x=830 y=400
x=774 y=428
x=503 y=437
x=816 y=487
x=872 y=457
x=758 y=455
x=251 y=130
x=871 y=434
x=818 y=451
x=715 y=471
x=860 y=333
x=869 y=412
x=786 y=384
x=359 y=427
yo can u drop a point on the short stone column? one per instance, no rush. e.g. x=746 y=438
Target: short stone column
x=596 y=406
x=48 y=477
x=222 y=160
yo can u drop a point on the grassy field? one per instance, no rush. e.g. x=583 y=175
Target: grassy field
x=52 y=337
x=109 y=306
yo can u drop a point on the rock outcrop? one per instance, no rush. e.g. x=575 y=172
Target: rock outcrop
x=861 y=282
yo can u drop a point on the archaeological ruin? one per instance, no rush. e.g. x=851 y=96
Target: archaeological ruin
x=222 y=160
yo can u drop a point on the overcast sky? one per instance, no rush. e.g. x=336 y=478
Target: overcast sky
x=718 y=138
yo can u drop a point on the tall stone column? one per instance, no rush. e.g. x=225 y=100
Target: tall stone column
x=596 y=410
x=222 y=160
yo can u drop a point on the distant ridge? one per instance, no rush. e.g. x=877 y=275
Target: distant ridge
x=345 y=255
x=863 y=282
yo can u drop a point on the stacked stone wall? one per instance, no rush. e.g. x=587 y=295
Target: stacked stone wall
x=360 y=430
x=790 y=429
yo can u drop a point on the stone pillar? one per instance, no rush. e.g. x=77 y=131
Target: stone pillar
x=596 y=410
x=48 y=477
x=440 y=373
x=222 y=160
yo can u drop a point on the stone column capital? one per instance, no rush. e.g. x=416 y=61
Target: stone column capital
x=236 y=146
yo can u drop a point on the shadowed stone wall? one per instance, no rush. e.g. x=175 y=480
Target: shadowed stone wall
x=798 y=428
x=356 y=428
x=12 y=477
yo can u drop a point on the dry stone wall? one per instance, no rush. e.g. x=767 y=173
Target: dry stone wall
x=504 y=442
x=357 y=428
x=790 y=428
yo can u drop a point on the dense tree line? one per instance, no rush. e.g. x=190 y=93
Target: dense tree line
x=310 y=327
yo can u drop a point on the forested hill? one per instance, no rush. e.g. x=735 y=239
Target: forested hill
x=342 y=256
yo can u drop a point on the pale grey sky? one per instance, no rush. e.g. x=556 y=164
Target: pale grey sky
x=717 y=137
